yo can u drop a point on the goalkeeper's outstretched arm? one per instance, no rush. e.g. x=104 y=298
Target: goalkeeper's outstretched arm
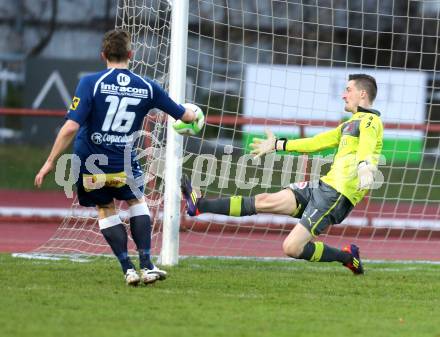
x=321 y=141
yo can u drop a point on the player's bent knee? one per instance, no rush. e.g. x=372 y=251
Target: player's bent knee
x=292 y=249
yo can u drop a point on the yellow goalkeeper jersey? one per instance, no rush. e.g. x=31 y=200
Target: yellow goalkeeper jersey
x=358 y=139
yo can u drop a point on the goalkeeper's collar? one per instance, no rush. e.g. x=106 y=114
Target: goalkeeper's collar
x=373 y=111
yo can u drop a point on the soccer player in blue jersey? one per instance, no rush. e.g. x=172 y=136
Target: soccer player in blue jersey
x=106 y=111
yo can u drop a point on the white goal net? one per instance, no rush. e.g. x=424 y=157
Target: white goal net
x=257 y=64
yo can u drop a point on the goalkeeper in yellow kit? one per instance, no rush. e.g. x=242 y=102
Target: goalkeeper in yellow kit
x=359 y=143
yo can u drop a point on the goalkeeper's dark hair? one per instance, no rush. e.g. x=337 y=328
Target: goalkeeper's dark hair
x=365 y=82
x=116 y=45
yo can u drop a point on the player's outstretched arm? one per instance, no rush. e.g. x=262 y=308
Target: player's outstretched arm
x=191 y=122
x=64 y=138
x=321 y=141
x=188 y=116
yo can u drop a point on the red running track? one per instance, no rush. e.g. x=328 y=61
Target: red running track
x=17 y=198
x=25 y=237
x=19 y=236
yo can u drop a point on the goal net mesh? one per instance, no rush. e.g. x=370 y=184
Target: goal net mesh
x=258 y=64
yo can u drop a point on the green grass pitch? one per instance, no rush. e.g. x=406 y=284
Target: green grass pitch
x=214 y=297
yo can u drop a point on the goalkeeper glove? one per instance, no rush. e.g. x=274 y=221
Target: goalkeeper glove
x=365 y=175
x=262 y=146
x=195 y=126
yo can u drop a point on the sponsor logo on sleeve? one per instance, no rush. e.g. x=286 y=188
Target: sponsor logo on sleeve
x=74 y=104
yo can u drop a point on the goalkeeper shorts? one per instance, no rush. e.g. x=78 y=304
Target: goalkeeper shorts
x=319 y=207
x=114 y=186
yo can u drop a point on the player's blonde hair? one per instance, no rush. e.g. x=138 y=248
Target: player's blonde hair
x=116 y=45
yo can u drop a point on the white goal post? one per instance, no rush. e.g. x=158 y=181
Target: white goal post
x=173 y=169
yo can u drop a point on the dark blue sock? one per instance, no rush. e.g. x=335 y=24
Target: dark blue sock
x=125 y=262
x=116 y=237
x=140 y=227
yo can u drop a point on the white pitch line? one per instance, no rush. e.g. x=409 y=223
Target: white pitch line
x=377 y=222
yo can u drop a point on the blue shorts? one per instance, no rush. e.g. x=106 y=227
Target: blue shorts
x=106 y=194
